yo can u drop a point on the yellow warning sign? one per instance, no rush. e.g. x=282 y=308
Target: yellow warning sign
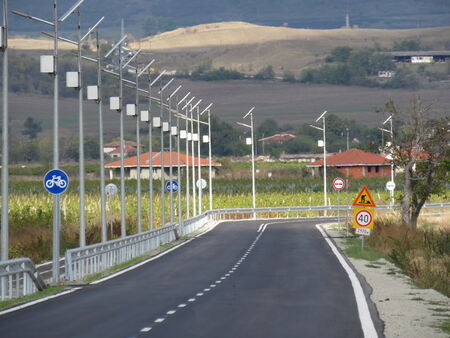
x=364 y=199
x=363 y=218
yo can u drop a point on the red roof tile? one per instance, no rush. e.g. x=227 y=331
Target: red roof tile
x=352 y=157
x=126 y=149
x=156 y=160
x=277 y=137
x=117 y=144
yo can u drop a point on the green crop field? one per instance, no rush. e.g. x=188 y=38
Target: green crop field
x=30 y=208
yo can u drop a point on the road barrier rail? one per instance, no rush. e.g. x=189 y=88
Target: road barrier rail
x=295 y=212
x=19 y=277
x=81 y=262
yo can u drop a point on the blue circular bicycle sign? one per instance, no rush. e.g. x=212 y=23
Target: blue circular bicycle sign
x=56 y=181
x=173 y=184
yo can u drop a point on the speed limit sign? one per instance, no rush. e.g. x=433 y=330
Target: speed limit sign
x=363 y=218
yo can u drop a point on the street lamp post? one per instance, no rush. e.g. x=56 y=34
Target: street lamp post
x=5 y=136
x=163 y=213
x=207 y=109
x=322 y=116
x=390 y=131
x=150 y=140
x=54 y=71
x=79 y=87
x=134 y=111
x=250 y=112
x=180 y=213
x=200 y=186
x=172 y=132
x=120 y=110
x=193 y=137
x=188 y=197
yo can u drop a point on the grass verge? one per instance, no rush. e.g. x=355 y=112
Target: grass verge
x=355 y=250
x=445 y=326
x=40 y=294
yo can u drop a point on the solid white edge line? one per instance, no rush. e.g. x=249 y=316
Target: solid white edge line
x=37 y=301
x=121 y=272
x=365 y=318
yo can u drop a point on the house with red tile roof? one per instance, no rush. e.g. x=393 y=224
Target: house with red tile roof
x=355 y=163
x=113 y=148
x=130 y=165
x=277 y=138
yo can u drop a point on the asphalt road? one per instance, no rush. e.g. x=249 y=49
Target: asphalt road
x=234 y=281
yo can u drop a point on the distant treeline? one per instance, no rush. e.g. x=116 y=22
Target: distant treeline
x=227 y=140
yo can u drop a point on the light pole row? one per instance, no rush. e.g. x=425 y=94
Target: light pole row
x=74 y=79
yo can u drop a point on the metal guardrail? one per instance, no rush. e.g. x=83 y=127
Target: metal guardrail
x=19 y=277
x=81 y=262
x=192 y=224
x=274 y=212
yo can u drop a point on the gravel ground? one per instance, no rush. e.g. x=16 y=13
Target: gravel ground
x=407 y=311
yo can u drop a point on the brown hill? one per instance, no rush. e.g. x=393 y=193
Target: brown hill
x=247 y=47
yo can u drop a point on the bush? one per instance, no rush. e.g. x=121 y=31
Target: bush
x=265 y=74
x=423 y=254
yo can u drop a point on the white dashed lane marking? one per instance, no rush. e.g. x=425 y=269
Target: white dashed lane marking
x=260 y=230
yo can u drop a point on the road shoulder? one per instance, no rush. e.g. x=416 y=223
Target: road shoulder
x=406 y=310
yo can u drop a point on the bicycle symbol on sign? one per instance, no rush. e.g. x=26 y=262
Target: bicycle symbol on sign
x=56 y=180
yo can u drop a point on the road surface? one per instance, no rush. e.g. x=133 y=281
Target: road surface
x=242 y=279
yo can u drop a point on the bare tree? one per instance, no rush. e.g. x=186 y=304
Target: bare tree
x=421 y=148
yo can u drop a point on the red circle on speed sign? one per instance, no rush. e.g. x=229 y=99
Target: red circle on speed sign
x=363 y=218
x=338 y=184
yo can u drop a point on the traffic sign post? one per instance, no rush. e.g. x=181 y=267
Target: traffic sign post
x=201 y=183
x=110 y=191
x=363 y=218
x=363 y=214
x=56 y=181
x=364 y=199
x=172 y=186
x=339 y=184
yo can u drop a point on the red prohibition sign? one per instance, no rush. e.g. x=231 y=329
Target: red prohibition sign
x=363 y=218
x=338 y=183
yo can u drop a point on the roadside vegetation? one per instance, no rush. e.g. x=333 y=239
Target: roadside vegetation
x=423 y=253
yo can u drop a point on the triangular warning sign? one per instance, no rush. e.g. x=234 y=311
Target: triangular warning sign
x=364 y=199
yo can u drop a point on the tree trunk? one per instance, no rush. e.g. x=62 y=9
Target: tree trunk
x=407 y=214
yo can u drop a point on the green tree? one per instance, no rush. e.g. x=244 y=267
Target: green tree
x=421 y=149
x=266 y=73
x=339 y=54
x=32 y=128
x=407 y=45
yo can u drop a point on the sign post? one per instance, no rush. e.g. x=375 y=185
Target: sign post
x=346 y=200
x=172 y=186
x=56 y=182
x=110 y=191
x=363 y=213
x=339 y=184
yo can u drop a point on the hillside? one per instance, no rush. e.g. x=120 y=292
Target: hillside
x=243 y=33
x=247 y=47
